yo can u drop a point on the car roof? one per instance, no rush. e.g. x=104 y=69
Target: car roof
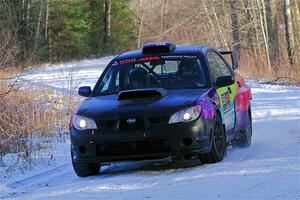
x=180 y=49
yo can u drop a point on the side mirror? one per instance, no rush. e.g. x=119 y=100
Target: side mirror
x=233 y=58
x=85 y=91
x=223 y=81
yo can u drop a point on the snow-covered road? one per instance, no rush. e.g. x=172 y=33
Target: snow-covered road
x=269 y=169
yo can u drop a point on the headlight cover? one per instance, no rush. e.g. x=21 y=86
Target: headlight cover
x=186 y=115
x=83 y=123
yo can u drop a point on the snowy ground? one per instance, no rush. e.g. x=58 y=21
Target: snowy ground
x=269 y=169
x=66 y=77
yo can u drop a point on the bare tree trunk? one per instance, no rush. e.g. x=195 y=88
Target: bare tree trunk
x=38 y=26
x=251 y=28
x=207 y=14
x=289 y=35
x=264 y=16
x=296 y=19
x=220 y=30
x=235 y=27
x=23 y=28
x=162 y=17
x=107 y=23
x=226 y=20
x=49 y=36
x=141 y=25
x=264 y=33
x=272 y=32
x=166 y=7
x=47 y=21
x=28 y=10
x=254 y=17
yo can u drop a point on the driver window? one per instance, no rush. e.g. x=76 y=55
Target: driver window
x=222 y=65
x=214 y=67
x=116 y=81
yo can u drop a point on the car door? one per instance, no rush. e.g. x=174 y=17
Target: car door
x=226 y=94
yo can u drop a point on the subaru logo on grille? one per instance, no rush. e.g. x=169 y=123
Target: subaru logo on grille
x=131 y=120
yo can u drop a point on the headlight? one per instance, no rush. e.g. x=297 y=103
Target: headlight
x=83 y=123
x=186 y=115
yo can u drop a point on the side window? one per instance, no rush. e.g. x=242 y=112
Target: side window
x=223 y=67
x=104 y=85
x=214 y=67
x=116 y=82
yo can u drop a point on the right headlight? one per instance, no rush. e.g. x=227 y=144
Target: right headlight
x=83 y=123
x=186 y=115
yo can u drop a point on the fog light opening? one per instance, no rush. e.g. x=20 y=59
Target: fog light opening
x=187 y=141
x=82 y=149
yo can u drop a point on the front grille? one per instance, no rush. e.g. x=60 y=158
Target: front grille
x=159 y=120
x=106 y=124
x=137 y=125
x=136 y=147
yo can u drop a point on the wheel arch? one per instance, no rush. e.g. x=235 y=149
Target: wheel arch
x=218 y=112
x=249 y=110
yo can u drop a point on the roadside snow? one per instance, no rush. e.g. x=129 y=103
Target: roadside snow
x=66 y=77
x=268 y=169
x=274 y=101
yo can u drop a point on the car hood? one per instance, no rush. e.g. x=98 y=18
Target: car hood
x=109 y=107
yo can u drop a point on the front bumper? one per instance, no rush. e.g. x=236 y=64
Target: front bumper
x=154 y=142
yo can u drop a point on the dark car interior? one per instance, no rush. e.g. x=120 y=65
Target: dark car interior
x=167 y=74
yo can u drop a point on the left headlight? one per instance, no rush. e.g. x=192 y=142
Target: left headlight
x=83 y=123
x=186 y=115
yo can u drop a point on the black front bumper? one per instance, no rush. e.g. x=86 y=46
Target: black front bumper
x=154 y=142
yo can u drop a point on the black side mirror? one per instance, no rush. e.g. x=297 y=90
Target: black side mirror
x=85 y=91
x=223 y=81
x=233 y=58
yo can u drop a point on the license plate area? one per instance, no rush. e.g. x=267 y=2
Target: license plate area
x=133 y=147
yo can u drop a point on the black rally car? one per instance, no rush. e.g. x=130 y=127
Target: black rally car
x=161 y=101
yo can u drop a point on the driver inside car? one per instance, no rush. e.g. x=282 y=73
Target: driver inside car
x=139 y=77
x=189 y=72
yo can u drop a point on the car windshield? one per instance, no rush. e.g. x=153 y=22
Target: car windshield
x=169 y=72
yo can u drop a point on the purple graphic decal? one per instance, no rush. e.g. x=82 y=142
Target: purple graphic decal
x=209 y=102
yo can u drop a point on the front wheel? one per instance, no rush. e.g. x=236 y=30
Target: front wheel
x=218 y=146
x=85 y=169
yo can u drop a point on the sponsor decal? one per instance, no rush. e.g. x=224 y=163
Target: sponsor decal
x=179 y=57
x=145 y=59
x=133 y=60
x=160 y=44
x=225 y=101
x=151 y=58
x=126 y=61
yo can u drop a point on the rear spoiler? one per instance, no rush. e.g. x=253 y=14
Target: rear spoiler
x=234 y=61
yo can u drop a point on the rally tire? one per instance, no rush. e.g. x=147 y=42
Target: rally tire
x=85 y=169
x=218 y=143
